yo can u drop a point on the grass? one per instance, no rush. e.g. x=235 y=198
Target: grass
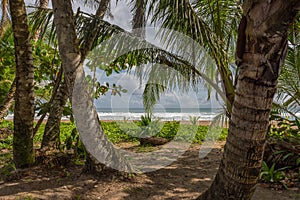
x=127 y=132
x=116 y=132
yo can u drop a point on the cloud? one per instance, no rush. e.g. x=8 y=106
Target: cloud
x=133 y=98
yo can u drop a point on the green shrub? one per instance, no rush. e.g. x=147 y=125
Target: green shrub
x=283 y=128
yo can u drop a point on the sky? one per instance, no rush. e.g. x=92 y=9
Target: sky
x=133 y=97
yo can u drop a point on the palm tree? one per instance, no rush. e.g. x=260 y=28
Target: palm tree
x=7 y=77
x=259 y=70
x=256 y=117
x=5 y=21
x=72 y=63
x=9 y=99
x=288 y=94
x=41 y=4
x=4 y=24
x=51 y=137
x=211 y=24
x=139 y=17
x=23 y=150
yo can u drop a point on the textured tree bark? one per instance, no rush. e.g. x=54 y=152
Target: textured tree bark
x=70 y=54
x=52 y=128
x=10 y=96
x=8 y=101
x=72 y=63
x=265 y=46
x=24 y=98
x=53 y=95
x=4 y=17
x=51 y=137
x=139 y=20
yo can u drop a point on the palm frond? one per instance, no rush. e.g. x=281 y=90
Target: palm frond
x=287 y=100
x=212 y=24
x=120 y=49
x=42 y=20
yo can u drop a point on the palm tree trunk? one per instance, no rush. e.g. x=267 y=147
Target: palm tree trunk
x=72 y=63
x=52 y=129
x=53 y=95
x=139 y=19
x=4 y=17
x=8 y=101
x=51 y=137
x=24 y=98
x=264 y=44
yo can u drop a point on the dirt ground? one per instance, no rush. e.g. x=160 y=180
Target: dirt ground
x=186 y=178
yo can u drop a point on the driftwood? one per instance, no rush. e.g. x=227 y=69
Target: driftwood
x=154 y=141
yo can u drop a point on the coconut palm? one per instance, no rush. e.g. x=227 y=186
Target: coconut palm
x=256 y=86
x=247 y=112
x=60 y=96
x=5 y=20
x=7 y=67
x=5 y=35
x=84 y=24
x=288 y=93
x=211 y=24
x=24 y=97
x=72 y=63
x=4 y=32
x=254 y=90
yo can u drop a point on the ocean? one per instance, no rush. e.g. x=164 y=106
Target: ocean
x=167 y=114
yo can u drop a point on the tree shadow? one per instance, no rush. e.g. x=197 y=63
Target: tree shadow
x=186 y=178
x=46 y=182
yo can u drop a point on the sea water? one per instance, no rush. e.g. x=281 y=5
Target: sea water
x=167 y=114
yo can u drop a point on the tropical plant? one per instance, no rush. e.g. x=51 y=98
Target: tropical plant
x=269 y=174
x=287 y=101
x=255 y=89
x=24 y=97
x=60 y=96
x=5 y=19
x=149 y=126
x=251 y=108
x=194 y=119
x=212 y=24
x=7 y=68
x=72 y=62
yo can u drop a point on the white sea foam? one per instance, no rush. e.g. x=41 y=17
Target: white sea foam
x=163 y=116
x=204 y=116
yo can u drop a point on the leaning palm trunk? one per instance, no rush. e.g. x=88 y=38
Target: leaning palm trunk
x=8 y=101
x=4 y=22
x=24 y=97
x=72 y=63
x=261 y=50
x=51 y=135
x=139 y=19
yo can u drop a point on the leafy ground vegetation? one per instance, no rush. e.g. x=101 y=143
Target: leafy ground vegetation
x=60 y=174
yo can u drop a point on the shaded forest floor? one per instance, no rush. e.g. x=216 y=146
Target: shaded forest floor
x=184 y=179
